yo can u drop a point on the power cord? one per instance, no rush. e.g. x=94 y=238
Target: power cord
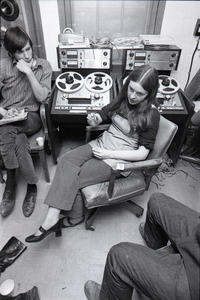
x=197 y=45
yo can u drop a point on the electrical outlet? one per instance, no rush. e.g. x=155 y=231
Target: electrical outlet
x=197 y=28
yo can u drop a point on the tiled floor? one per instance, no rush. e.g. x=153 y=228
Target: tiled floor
x=59 y=267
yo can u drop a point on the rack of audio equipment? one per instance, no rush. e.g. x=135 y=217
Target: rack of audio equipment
x=84 y=84
x=88 y=81
x=163 y=58
x=74 y=98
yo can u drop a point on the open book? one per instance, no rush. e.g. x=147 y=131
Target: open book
x=13 y=115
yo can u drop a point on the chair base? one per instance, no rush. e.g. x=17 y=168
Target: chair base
x=133 y=207
x=90 y=219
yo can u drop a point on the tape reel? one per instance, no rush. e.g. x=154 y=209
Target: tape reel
x=69 y=82
x=167 y=85
x=98 y=82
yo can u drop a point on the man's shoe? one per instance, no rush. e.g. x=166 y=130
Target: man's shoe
x=29 y=202
x=92 y=290
x=8 y=202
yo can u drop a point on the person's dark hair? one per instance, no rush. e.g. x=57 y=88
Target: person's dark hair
x=139 y=115
x=15 y=39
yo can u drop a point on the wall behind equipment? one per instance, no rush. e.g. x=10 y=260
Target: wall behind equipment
x=178 y=22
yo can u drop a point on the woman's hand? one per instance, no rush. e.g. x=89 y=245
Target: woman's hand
x=94 y=119
x=101 y=153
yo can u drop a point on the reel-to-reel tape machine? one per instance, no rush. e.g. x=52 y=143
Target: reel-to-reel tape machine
x=85 y=84
x=78 y=95
x=167 y=97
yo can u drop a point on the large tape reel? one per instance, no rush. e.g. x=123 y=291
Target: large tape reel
x=9 y=10
x=167 y=85
x=98 y=82
x=69 y=82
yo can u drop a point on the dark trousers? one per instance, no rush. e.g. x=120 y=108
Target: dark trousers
x=157 y=274
x=15 y=148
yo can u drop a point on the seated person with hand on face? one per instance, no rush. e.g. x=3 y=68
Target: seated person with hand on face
x=130 y=137
x=25 y=82
x=161 y=274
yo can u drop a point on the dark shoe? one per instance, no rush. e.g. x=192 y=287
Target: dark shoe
x=10 y=252
x=29 y=202
x=8 y=202
x=37 y=238
x=92 y=290
x=70 y=224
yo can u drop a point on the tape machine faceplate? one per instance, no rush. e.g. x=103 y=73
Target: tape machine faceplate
x=79 y=95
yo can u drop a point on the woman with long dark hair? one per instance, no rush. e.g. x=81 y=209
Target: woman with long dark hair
x=130 y=137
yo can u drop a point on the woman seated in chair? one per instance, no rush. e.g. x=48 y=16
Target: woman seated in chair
x=130 y=137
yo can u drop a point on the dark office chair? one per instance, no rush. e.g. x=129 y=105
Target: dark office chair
x=125 y=188
x=48 y=132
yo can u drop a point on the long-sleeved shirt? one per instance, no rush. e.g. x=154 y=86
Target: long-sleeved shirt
x=15 y=86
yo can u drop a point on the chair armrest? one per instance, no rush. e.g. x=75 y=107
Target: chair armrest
x=89 y=129
x=100 y=127
x=139 y=165
x=44 y=112
x=44 y=120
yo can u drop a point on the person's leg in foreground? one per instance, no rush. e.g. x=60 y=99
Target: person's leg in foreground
x=157 y=274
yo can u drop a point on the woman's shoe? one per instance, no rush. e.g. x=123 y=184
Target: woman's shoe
x=70 y=224
x=55 y=228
